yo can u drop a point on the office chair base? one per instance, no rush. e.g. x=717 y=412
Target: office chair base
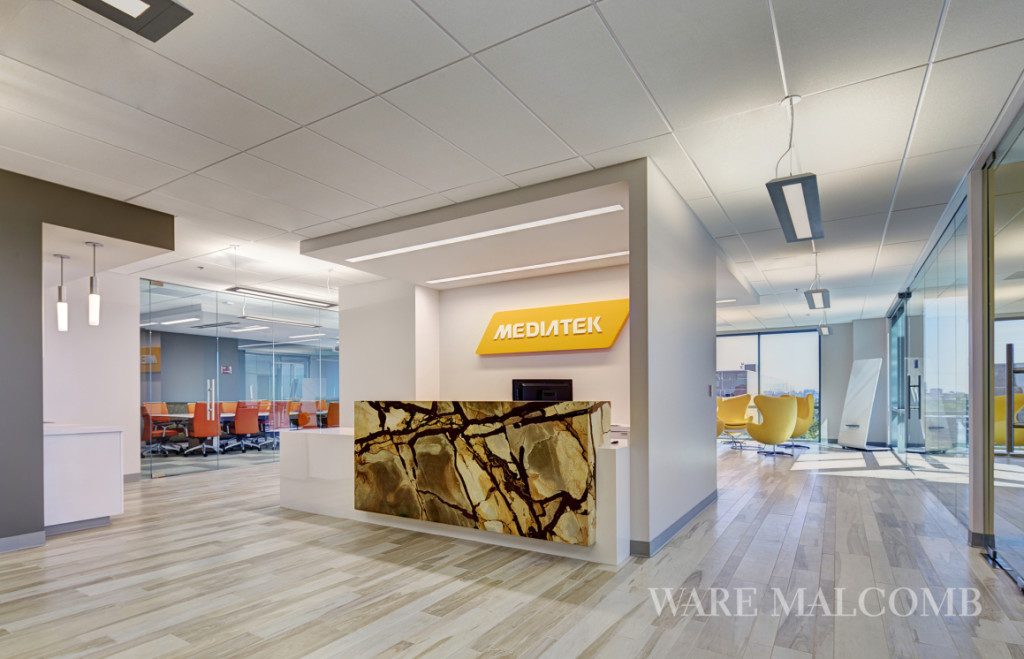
x=774 y=453
x=793 y=445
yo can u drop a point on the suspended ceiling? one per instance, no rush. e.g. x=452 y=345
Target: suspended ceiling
x=259 y=123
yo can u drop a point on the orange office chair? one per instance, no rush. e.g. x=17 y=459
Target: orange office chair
x=206 y=430
x=246 y=425
x=277 y=420
x=153 y=437
x=230 y=406
x=307 y=416
x=333 y=415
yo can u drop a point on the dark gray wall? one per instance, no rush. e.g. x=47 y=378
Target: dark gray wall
x=25 y=204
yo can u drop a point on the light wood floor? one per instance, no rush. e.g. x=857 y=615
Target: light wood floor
x=208 y=565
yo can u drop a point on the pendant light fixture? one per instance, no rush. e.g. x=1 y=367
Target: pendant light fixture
x=62 y=303
x=94 y=291
x=817 y=297
x=795 y=198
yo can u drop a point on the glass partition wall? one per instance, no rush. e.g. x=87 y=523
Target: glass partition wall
x=1005 y=221
x=223 y=374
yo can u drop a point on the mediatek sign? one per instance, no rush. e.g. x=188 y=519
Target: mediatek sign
x=585 y=326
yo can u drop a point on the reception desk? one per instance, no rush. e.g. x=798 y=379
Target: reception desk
x=83 y=484
x=538 y=476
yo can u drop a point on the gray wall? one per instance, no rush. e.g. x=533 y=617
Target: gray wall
x=188 y=360
x=25 y=204
x=836 y=362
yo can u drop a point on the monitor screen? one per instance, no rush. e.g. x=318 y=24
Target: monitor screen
x=543 y=390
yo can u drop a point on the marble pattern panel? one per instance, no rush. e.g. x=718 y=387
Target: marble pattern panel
x=521 y=468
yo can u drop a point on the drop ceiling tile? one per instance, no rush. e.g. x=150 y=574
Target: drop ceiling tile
x=236 y=49
x=735 y=248
x=54 y=39
x=47 y=98
x=750 y=210
x=771 y=244
x=857 y=192
x=712 y=217
x=487 y=121
x=47 y=141
x=57 y=172
x=324 y=229
x=477 y=25
x=667 y=156
x=202 y=192
x=897 y=254
x=964 y=97
x=591 y=98
x=863 y=231
x=932 y=179
x=380 y=44
x=410 y=150
x=678 y=48
x=419 y=205
x=971 y=26
x=263 y=178
x=890 y=278
x=741 y=151
x=477 y=190
x=215 y=220
x=369 y=217
x=858 y=125
x=320 y=159
x=847 y=267
x=913 y=224
x=550 y=172
x=827 y=45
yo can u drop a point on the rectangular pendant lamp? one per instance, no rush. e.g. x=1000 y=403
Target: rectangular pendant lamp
x=825 y=330
x=818 y=298
x=797 y=204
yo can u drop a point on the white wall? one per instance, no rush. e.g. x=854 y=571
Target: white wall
x=673 y=458
x=91 y=374
x=427 y=343
x=596 y=374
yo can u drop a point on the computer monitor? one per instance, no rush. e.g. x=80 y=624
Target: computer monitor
x=543 y=390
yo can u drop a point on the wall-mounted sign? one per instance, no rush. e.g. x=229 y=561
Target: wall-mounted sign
x=585 y=326
x=225 y=370
x=150 y=359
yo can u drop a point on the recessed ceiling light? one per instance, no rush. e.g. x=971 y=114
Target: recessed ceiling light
x=151 y=19
x=281 y=297
x=306 y=336
x=529 y=267
x=251 y=329
x=488 y=234
x=732 y=299
x=131 y=7
x=180 y=321
x=281 y=321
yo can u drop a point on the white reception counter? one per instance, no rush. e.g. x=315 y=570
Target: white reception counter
x=318 y=476
x=83 y=483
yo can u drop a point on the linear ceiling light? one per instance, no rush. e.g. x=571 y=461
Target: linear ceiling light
x=306 y=336
x=281 y=321
x=180 y=321
x=529 y=267
x=281 y=297
x=817 y=298
x=795 y=198
x=251 y=329
x=488 y=234
x=732 y=299
x=151 y=19
x=798 y=207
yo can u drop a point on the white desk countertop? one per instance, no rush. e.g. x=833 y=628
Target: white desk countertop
x=77 y=429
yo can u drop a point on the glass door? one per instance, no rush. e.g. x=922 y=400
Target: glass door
x=900 y=387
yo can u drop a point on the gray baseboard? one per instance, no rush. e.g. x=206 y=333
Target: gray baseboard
x=81 y=525
x=133 y=478
x=23 y=541
x=975 y=539
x=647 y=549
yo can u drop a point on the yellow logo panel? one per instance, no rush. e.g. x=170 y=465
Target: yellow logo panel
x=585 y=326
